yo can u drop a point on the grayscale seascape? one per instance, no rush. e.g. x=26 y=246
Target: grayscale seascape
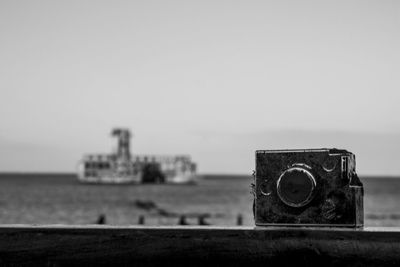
x=223 y=133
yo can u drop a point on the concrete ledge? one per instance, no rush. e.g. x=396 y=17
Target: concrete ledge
x=58 y=245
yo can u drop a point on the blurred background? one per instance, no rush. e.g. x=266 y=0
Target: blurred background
x=215 y=80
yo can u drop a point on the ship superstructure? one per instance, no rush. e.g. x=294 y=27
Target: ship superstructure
x=123 y=167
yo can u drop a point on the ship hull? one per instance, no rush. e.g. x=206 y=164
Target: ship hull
x=189 y=178
x=110 y=179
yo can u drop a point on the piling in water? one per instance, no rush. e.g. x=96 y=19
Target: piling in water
x=141 y=220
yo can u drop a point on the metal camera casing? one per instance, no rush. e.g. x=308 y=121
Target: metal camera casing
x=312 y=187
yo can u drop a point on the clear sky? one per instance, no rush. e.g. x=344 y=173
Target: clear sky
x=214 y=79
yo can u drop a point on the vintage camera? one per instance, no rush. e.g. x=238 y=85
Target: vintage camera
x=312 y=187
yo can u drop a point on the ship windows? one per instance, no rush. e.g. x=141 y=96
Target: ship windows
x=92 y=166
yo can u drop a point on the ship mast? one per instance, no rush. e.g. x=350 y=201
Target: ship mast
x=123 y=135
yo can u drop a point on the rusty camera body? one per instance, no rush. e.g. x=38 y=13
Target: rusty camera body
x=314 y=187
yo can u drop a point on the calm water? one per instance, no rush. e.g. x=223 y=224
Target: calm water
x=53 y=199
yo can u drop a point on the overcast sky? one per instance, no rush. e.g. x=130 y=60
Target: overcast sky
x=214 y=79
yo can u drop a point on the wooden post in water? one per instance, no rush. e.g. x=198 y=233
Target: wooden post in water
x=141 y=220
x=239 y=220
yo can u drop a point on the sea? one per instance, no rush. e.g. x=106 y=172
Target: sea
x=221 y=200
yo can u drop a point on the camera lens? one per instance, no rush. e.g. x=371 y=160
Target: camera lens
x=295 y=187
